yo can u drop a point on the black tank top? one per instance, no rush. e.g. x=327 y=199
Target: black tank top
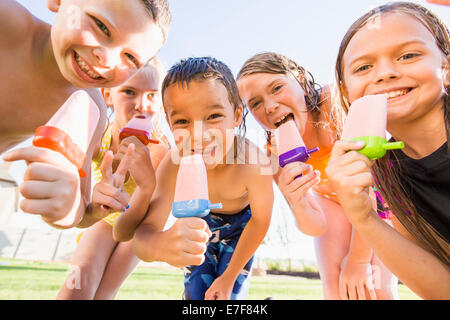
x=427 y=182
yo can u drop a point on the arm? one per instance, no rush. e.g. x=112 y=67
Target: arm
x=260 y=196
x=142 y=169
x=182 y=244
x=15 y=23
x=416 y=267
x=308 y=214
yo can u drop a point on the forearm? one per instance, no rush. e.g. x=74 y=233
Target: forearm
x=417 y=268
x=90 y=216
x=126 y=224
x=250 y=239
x=359 y=250
x=146 y=243
x=309 y=217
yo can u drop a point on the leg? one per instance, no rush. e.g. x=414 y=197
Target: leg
x=332 y=247
x=121 y=264
x=241 y=286
x=385 y=283
x=197 y=279
x=89 y=262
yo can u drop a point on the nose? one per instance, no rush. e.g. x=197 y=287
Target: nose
x=144 y=105
x=271 y=106
x=107 y=57
x=386 y=71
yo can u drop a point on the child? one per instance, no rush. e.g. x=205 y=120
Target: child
x=91 y=45
x=277 y=89
x=202 y=93
x=103 y=262
x=407 y=56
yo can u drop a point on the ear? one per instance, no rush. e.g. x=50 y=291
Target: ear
x=238 y=114
x=446 y=71
x=54 y=5
x=107 y=96
x=343 y=89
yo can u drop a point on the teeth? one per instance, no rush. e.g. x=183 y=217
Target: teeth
x=394 y=94
x=85 y=68
x=281 y=119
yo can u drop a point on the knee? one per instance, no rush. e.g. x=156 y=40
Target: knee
x=82 y=281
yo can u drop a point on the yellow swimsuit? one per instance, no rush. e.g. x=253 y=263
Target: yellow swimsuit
x=129 y=185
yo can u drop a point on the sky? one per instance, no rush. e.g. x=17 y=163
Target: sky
x=232 y=31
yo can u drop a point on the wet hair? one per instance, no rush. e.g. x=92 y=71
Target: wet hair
x=316 y=97
x=388 y=176
x=203 y=69
x=160 y=12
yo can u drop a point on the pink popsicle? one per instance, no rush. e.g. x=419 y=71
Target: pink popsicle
x=70 y=129
x=367 y=116
x=78 y=117
x=192 y=182
x=287 y=137
x=140 y=127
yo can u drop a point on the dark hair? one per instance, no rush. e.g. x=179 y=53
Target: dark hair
x=388 y=179
x=160 y=12
x=206 y=68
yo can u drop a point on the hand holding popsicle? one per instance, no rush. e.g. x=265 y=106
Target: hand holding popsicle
x=186 y=242
x=140 y=164
x=52 y=184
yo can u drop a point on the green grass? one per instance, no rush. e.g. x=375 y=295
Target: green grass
x=20 y=279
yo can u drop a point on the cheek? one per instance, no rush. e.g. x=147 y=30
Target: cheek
x=261 y=117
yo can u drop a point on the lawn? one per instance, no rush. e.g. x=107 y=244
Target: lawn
x=20 y=279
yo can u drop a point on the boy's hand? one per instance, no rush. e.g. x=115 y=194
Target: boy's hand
x=220 y=289
x=350 y=174
x=140 y=165
x=109 y=194
x=51 y=186
x=186 y=242
x=295 y=189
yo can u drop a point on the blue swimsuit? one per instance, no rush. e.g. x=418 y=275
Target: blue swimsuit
x=226 y=230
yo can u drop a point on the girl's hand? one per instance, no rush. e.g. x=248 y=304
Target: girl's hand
x=295 y=189
x=186 y=242
x=109 y=194
x=351 y=177
x=355 y=280
x=220 y=289
x=51 y=186
x=140 y=165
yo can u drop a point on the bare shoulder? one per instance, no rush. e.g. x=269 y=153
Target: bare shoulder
x=16 y=22
x=255 y=160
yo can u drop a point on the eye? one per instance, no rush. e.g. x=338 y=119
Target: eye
x=132 y=59
x=277 y=88
x=101 y=26
x=180 y=122
x=129 y=92
x=362 y=68
x=151 y=95
x=215 y=116
x=255 y=104
x=408 y=56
